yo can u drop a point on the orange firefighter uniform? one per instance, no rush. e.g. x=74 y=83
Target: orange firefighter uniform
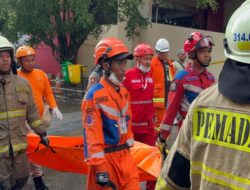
x=108 y=136
x=162 y=73
x=41 y=89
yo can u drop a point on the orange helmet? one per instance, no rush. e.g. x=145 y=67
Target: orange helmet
x=143 y=49
x=110 y=48
x=24 y=51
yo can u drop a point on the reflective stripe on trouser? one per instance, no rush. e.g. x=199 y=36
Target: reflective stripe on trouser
x=219 y=177
x=161 y=184
x=12 y=114
x=15 y=147
x=158 y=100
x=14 y=171
x=122 y=172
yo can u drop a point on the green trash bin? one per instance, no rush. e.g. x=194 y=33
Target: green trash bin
x=65 y=71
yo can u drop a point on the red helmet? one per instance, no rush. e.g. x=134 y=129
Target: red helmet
x=196 y=41
x=143 y=49
x=110 y=48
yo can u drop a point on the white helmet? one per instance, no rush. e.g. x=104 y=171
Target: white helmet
x=6 y=45
x=237 y=42
x=162 y=45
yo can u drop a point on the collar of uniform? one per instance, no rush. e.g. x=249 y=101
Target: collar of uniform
x=107 y=85
x=234 y=81
x=191 y=70
x=7 y=77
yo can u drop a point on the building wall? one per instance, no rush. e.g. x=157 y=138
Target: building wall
x=175 y=35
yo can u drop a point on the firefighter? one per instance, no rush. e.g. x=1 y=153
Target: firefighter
x=187 y=84
x=139 y=83
x=162 y=71
x=107 y=122
x=212 y=148
x=16 y=107
x=42 y=93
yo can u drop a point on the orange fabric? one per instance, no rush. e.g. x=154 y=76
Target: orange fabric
x=121 y=169
x=41 y=88
x=157 y=71
x=68 y=156
x=103 y=110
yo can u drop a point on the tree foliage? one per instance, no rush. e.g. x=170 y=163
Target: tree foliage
x=65 y=24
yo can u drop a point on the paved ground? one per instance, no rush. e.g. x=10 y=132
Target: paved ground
x=71 y=125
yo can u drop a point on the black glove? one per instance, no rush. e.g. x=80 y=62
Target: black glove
x=44 y=139
x=102 y=179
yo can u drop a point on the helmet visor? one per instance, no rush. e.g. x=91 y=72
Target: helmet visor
x=205 y=42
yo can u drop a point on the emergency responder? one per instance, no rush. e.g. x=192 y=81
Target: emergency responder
x=162 y=71
x=212 y=148
x=16 y=107
x=42 y=92
x=139 y=83
x=180 y=64
x=107 y=122
x=187 y=84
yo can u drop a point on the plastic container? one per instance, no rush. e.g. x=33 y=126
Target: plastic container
x=65 y=71
x=74 y=73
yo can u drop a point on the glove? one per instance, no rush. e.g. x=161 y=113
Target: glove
x=161 y=144
x=57 y=114
x=44 y=139
x=102 y=179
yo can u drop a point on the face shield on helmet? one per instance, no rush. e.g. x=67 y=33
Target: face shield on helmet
x=237 y=41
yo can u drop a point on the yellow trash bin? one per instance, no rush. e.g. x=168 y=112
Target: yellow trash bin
x=74 y=73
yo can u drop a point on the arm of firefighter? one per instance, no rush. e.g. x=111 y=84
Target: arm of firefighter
x=175 y=173
x=176 y=94
x=32 y=115
x=93 y=136
x=48 y=93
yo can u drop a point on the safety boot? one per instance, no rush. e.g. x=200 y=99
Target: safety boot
x=39 y=184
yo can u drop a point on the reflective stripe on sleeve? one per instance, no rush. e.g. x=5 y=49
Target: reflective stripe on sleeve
x=109 y=110
x=161 y=184
x=159 y=100
x=165 y=127
x=36 y=123
x=220 y=177
x=12 y=114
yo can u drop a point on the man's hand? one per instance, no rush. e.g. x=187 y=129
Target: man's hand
x=57 y=114
x=44 y=139
x=161 y=144
x=102 y=179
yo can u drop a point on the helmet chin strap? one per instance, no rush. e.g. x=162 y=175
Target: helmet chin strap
x=113 y=78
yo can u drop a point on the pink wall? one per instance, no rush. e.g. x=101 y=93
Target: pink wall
x=46 y=61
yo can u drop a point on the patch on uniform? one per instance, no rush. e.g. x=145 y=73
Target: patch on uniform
x=173 y=86
x=89 y=110
x=101 y=99
x=21 y=88
x=89 y=120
